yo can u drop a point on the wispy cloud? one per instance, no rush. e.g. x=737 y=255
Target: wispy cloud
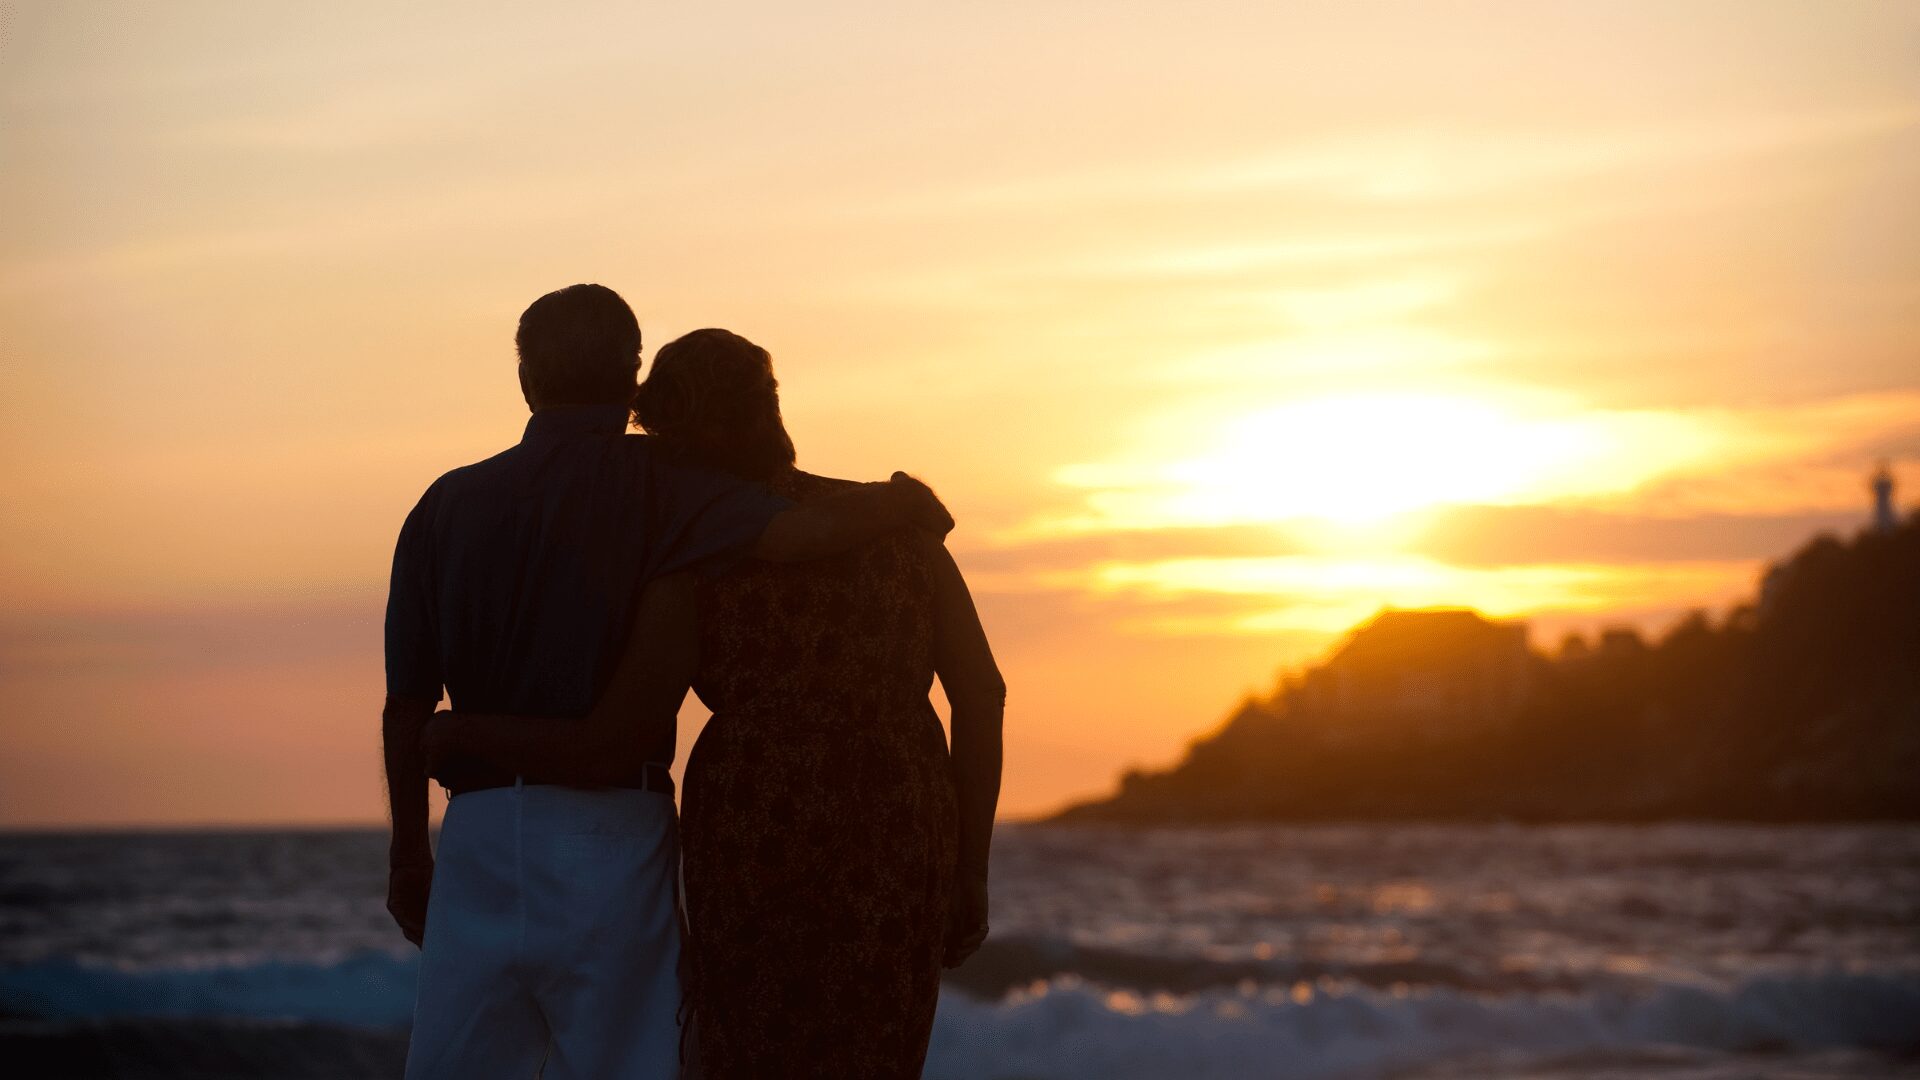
x=1328 y=594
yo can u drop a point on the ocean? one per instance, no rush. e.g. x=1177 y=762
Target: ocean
x=1418 y=952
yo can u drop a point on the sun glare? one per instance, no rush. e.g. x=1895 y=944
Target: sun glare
x=1364 y=458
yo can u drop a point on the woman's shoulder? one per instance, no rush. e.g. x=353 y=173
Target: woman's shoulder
x=911 y=547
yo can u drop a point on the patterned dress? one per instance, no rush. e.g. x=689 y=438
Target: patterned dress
x=819 y=817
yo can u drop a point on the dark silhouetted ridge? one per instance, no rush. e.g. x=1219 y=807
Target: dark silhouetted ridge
x=1803 y=705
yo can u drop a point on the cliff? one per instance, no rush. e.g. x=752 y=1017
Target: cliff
x=1803 y=705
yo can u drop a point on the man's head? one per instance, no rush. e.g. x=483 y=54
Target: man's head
x=578 y=346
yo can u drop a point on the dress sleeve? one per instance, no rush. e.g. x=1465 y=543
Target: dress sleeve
x=703 y=515
x=413 y=639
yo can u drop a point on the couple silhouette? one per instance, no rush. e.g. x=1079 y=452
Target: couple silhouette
x=564 y=595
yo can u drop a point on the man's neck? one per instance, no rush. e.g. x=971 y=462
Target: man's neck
x=567 y=419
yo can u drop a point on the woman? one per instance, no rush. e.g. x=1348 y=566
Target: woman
x=835 y=852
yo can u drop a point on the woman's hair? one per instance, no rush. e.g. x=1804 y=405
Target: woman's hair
x=711 y=397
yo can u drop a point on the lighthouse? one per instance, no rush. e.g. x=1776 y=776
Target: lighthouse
x=1884 y=519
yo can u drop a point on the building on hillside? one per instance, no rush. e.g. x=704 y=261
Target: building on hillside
x=1425 y=674
x=1620 y=642
x=1885 y=518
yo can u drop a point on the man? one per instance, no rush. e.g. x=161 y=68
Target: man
x=551 y=940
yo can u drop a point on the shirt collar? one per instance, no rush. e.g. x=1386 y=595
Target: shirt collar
x=562 y=420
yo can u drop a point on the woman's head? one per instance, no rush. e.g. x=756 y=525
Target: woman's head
x=712 y=395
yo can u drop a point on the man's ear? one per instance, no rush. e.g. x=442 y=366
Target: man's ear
x=525 y=390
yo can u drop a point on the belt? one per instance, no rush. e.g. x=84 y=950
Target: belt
x=653 y=776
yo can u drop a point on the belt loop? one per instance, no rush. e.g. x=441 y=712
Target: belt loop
x=519 y=784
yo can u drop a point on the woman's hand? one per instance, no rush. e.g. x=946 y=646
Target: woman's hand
x=966 y=919
x=441 y=741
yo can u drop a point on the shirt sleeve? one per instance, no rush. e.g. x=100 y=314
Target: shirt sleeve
x=702 y=515
x=413 y=639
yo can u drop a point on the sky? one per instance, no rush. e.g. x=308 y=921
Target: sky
x=1220 y=326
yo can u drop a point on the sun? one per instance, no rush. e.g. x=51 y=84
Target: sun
x=1360 y=459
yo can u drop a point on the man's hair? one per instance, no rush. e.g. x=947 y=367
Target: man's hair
x=578 y=346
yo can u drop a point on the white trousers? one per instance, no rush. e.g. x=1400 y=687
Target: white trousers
x=553 y=939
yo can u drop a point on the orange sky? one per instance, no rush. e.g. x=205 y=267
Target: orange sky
x=1220 y=325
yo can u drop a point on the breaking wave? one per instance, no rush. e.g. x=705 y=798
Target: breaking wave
x=1117 y=1017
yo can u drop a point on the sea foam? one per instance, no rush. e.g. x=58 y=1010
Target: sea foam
x=1070 y=1028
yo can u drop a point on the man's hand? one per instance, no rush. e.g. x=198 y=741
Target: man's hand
x=966 y=919
x=408 y=884
x=925 y=509
x=410 y=854
x=838 y=523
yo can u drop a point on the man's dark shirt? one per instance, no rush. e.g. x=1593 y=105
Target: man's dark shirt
x=516 y=579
